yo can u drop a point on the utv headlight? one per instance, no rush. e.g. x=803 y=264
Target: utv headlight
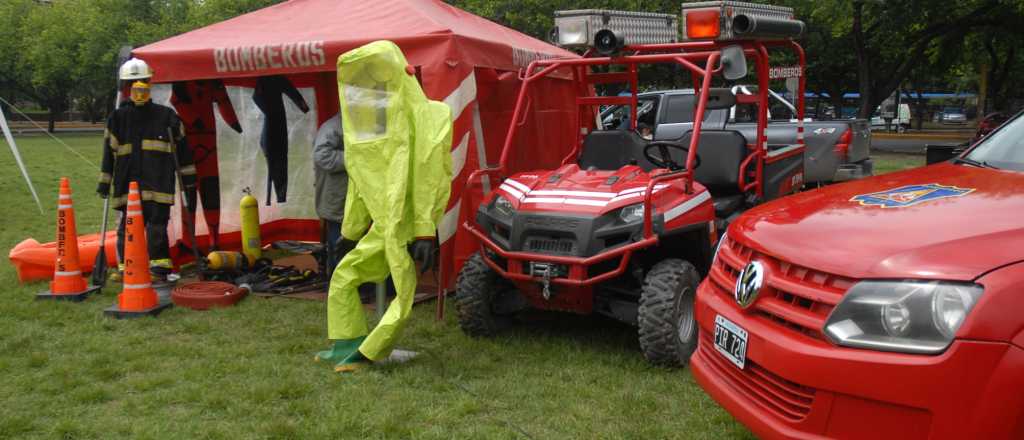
x=902 y=316
x=503 y=206
x=632 y=213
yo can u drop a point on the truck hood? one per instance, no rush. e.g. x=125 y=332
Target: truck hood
x=944 y=221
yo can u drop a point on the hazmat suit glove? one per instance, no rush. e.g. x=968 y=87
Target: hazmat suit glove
x=237 y=127
x=344 y=246
x=422 y=251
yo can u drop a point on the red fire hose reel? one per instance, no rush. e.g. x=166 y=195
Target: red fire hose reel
x=205 y=295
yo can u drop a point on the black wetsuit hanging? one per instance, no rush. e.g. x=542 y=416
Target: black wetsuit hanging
x=274 y=138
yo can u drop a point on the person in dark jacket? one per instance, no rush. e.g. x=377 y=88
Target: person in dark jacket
x=143 y=143
x=274 y=138
x=194 y=102
x=330 y=185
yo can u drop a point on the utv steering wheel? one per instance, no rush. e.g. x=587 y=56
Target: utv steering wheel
x=666 y=161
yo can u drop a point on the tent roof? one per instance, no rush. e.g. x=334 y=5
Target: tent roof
x=308 y=35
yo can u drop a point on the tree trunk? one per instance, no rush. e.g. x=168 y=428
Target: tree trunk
x=863 y=61
x=984 y=75
x=836 y=97
x=998 y=96
x=919 y=108
x=52 y=119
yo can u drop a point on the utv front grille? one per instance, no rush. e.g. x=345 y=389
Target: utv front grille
x=550 y=246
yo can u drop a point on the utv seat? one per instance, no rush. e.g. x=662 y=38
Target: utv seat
x=721 y=154
x=609 y=150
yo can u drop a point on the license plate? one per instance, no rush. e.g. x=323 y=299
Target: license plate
x=731 y=341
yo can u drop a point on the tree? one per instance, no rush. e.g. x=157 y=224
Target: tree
x=15 y=82
x=877 y=26
x=49 y=54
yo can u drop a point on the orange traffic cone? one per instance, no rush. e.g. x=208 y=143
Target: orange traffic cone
x=68 y=283
x=138 y=297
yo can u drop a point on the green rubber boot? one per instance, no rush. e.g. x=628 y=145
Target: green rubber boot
x=342 y=349
x=354 y=362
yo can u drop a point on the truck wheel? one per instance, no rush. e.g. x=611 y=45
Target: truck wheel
x=475 y=292
x=667 y=328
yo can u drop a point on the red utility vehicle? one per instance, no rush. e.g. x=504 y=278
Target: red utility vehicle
x=890 y=307
x=625 y=227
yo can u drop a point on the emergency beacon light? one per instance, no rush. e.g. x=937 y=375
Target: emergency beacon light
x=731 y=20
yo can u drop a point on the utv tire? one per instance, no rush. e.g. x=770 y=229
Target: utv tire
x=475 y=292
x=667 y=327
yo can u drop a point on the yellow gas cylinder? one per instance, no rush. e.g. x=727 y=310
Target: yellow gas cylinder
x=230 y=261
x=250 y=213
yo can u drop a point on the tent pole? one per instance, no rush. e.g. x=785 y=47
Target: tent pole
x=17 y=157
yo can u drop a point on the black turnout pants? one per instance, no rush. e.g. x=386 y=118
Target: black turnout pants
x=155 y=216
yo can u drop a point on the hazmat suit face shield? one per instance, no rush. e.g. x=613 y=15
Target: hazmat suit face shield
x=140 y=92
x=370 y=88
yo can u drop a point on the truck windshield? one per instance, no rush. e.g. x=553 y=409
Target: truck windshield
x=1004 y=148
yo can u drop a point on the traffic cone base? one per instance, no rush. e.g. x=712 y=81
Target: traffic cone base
x=73 y=297
x=115 y=311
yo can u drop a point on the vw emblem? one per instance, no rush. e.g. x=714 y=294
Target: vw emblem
x=748 y=284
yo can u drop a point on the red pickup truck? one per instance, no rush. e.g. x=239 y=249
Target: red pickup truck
x=888 y=307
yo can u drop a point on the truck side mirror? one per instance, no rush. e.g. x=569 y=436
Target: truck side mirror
x=734 y=63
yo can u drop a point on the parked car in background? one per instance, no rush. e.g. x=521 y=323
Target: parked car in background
x=951 y=115
x=989 y=123
x=888 y=307
x=836 y=150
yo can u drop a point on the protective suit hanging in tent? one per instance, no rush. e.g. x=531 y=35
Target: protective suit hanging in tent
x=398 y=152
x=274 y=137
x=194 y=102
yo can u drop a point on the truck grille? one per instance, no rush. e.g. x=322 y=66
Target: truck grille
x=784 y=398
x=550 y=246
x=794 y=297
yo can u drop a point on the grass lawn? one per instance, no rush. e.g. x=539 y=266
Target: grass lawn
x=889 y=162
x=247 y=372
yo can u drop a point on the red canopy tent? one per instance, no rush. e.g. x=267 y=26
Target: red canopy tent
x=466 y=61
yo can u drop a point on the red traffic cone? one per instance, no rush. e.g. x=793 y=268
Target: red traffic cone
x=138 y=297
x=68 y=283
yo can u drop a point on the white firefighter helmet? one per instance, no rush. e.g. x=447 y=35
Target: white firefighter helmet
x=135 y=69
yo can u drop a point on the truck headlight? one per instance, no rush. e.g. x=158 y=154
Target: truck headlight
x=718 y=246
x=903 y=316
x=632 y=213
x=503 y=206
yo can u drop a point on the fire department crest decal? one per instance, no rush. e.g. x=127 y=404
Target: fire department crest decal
x=910 y=195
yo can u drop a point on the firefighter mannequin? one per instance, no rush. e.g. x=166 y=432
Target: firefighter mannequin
x=397 y=151
x=143 y=143
x=194 y=102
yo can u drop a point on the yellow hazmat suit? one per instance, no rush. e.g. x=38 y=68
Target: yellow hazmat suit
x=398 y=157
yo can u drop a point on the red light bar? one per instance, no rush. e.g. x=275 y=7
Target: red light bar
x=703 y=24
